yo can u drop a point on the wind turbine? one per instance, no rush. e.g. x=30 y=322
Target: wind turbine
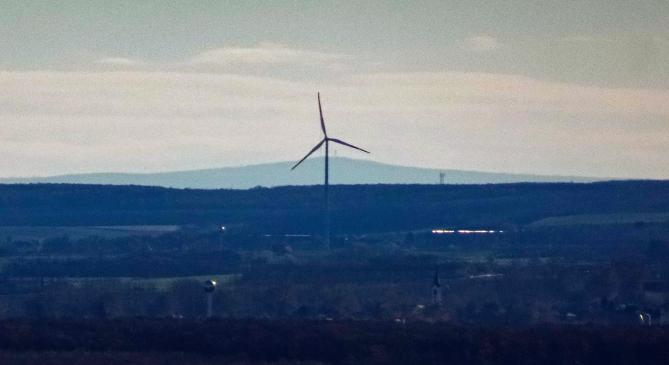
x=326 y=140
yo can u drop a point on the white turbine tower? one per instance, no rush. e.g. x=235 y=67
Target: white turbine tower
x=326 y=140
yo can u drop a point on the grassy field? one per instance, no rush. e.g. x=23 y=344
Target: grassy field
x=39 y=233
x=160 y=284
x=601 y=219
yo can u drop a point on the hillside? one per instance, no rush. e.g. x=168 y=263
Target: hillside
x=343 y=171
x=355 y=208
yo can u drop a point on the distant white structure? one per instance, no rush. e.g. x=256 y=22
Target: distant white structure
x=436 y=289
x=645 y=319
x=209 y=287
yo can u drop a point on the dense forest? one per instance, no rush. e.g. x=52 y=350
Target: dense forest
x=561 y=273
x=323 y=342
x=355 y=208
x=596 y=274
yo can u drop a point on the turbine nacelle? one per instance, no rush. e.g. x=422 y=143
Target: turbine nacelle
x=325 y=139
x=320 y=144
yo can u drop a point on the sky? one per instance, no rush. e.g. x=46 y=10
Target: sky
x=540 y=87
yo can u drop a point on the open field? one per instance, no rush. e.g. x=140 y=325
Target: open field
x=43 y=232
x=600 y=219
x=159 y=284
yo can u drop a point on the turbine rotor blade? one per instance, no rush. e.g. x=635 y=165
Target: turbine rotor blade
x=347 y=144
x=320 y=111
x=309 y=154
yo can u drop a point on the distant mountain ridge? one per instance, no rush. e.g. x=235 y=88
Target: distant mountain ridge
x=343 y=171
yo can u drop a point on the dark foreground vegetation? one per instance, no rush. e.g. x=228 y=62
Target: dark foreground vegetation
x=148 y=341
x=528 y=273
x=606 y=274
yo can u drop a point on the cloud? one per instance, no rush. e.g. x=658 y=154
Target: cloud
x=267 y=54
x=268 y=59
x=584 y=39
x=185 y=94
x=140 y=93
x=120 y=61
x=521 y=93
x=482 y=43
x=163 y=120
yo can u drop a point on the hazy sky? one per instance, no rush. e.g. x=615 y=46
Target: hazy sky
x=545 y=87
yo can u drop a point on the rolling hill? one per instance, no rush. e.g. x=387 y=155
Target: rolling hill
x=343 y=171
x=354 y=208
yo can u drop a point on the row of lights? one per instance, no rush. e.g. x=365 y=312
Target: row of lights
x=465 y=231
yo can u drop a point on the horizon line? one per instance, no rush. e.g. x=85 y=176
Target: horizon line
x=250 y=165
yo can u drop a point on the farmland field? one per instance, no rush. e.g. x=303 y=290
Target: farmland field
x=601 y=219
x=42 y=232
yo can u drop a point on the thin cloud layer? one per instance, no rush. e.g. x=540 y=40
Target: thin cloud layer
x=166 y=120
x=120 y=61
x=183 y=94
x=471 y=90
x=267 y=54
x=482 y=43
